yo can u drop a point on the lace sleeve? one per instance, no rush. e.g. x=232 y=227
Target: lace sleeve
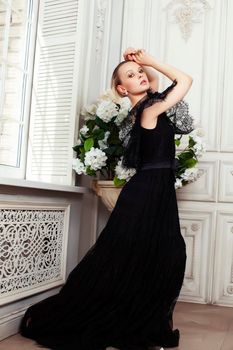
x=180 y=118
x=125 y=129
x=155 y=96
x=151 y=98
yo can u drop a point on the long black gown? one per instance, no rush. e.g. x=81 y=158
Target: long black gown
x=124 y=290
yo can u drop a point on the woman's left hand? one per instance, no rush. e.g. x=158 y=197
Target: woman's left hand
x=139 y=56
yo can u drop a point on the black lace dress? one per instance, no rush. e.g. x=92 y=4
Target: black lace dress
x=123 y=292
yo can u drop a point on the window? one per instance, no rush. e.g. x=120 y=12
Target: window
x=40 y=51
x=15 y=58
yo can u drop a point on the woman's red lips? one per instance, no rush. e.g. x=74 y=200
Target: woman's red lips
x=143 y=82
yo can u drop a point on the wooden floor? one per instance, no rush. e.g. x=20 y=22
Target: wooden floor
x=202 y=327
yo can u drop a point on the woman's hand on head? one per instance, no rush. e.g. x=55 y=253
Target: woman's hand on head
x=139 y=56
x=128 y=53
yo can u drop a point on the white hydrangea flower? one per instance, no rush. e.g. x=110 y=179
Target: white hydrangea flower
x=78 y=166
x=199 y=149
x=89 y=112
x=178 y=183
x=95 y=158
x=200 y=146
x=125 y=103
x=124 y=173
x=107 y=110
x=123 y=112
x=121 y=116
x=197 y=138
x=108 y=95
x=84 y=130
x=198 y=131
x=103 y=143
x=190 y=174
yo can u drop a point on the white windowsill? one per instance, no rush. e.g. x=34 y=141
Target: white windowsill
x=42 y=185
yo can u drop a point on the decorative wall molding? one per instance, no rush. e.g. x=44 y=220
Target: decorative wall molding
x=186 y=13
x=227 y=82
x=226 y=184
x=204 y=188
x=223 y=264
x=33 y=249
x=100 y=25
x=196 y=226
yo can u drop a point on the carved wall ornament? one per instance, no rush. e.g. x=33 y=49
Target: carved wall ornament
x=201 y=172
x=230 y=289
x=100 y=24
x=186 y=13
x=195 y=227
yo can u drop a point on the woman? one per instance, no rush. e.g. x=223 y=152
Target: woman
x=123 y=292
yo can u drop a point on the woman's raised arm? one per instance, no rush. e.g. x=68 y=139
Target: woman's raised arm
x=184 y=81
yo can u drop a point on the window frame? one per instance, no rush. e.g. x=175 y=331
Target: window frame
x=19 y=171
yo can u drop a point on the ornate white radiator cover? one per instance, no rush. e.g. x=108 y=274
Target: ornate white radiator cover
x=33 y=244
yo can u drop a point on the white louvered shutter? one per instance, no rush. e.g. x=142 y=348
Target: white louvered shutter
x=54 y=96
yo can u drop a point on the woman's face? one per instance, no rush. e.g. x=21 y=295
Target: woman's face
x=133 y=79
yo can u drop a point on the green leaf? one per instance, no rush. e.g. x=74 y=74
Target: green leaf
x=190 y=163
x=81 y=154
x=119 y=151
x=177 y=142
x=90 y=124
x=98 y=134
x=88 y=144
x=110 y=150
x=90 y=171
x=114 y=135
x=76 y=148
x=185 y=155
x=82 y=137
x=101 y=123
x=191 y=142
x=118 y=182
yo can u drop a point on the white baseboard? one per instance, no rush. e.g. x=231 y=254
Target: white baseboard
x=9 y=324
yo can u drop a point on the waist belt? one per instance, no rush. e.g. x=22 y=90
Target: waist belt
x=162 y=164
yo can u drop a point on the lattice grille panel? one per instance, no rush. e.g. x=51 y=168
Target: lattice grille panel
x=32 y=250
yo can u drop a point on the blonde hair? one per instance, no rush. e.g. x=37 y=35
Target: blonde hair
x=116 y=79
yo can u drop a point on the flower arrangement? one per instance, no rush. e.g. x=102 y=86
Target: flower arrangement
x=100 y=150
x=187 y=170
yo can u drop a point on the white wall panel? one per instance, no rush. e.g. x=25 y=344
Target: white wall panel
x=196 y=228
x=204 y=188
x=196 y=37
x=151 y=25
x=226 y=183
x=227 y=86
x=223 y=267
